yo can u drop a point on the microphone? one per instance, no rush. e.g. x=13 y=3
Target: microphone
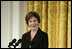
x=11 y=43
x=14 y=40
x=19 y=41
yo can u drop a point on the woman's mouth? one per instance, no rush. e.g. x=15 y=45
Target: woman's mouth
x=33 y=26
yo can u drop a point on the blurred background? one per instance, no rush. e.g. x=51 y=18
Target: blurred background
x=55 y=17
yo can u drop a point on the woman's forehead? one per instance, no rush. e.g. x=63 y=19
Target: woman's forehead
x=32 y=18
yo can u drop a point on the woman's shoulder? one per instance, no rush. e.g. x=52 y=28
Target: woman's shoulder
x=25 y=34
x=42 y=33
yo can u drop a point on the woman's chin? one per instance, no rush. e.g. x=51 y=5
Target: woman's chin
x=33 y=28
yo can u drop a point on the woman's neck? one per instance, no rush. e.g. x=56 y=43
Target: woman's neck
x=33 y=33
x=35 y=30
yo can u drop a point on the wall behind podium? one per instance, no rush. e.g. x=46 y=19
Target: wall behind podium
x=12 y=21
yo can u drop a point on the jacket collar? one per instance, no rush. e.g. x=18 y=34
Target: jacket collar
x=36 y=36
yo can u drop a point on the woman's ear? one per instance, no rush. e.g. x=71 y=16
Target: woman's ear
x=28 y=25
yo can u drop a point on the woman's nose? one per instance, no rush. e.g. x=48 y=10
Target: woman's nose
x=32 y=23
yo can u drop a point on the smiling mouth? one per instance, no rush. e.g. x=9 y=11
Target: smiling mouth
x=33 y=26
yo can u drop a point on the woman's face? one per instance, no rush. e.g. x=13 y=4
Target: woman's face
x=33 y=23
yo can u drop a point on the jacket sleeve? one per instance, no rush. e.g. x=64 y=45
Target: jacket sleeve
x=23 y=39
x=22 y=43
x=45 y=41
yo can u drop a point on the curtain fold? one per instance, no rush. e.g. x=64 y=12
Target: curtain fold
x=38 y=9
x=44 y=16
x=69 y=26
x=57 y=24
x=63 y=24
x=55 y=20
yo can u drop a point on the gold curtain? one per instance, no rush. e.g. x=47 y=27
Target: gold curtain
x=55 y=17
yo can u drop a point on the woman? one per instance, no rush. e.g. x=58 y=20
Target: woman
x=35 y=38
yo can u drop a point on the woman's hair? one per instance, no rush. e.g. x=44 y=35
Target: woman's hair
x=32 y=14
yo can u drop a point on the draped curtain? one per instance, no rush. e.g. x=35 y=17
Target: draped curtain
x=55 y=20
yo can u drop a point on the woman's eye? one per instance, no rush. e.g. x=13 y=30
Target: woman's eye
x=30 y=21
x=34 y=20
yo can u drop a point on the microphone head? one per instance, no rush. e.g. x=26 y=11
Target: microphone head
x=20 y=40
x=14 y=40
x=10 y=43
x=16 y=44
